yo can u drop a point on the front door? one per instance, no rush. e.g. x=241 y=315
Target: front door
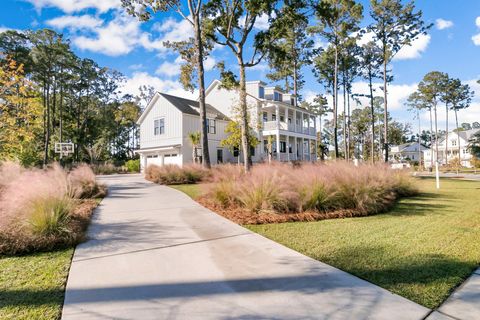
x=219 y=156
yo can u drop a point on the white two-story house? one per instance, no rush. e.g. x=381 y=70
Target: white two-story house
x=167 y=121
x=445 y=156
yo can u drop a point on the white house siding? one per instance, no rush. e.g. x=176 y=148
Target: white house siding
x=173 y=125
x=191 y=123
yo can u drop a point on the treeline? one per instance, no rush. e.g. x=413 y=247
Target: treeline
x=49 y=95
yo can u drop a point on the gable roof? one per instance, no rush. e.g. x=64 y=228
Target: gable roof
x=185 y=106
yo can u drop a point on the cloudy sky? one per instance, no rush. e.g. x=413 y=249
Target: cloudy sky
x=100 y=30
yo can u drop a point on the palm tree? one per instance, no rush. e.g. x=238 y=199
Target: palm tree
x=194 y=138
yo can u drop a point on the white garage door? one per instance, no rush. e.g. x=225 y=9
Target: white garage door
x=172 y=158
x=155 y=159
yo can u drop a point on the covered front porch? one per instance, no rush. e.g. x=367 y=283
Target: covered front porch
x=290 y=148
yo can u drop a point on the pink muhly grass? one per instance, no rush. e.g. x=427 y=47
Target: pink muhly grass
x=82 y=183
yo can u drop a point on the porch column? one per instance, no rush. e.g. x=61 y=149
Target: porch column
x=144 y=161
x=287 y=147
x=301 y=125
x=286 y=116
x=302 y=154
x=277 y=113
x=294 y=148
x=162 y=159
x=295 y=121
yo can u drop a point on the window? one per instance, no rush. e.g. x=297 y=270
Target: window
x=274 y=117
x=283 y=146
x=282 y=118
x=265 y=117
x=265 y=146
x=277 y=96
x=211 y=128
x=252 y=151
x=159 y=126
x=236 y=152
x=454 y=143
x=261 y=92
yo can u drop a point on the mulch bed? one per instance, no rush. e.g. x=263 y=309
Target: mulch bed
x=243 y=216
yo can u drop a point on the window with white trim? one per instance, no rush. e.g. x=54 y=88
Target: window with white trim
x=159 y=126
x=211 y=126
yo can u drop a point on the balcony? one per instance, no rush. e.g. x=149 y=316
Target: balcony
x=272 y=125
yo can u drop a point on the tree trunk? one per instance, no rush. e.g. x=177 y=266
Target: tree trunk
x=348 y=122
x=244 y=115
x=47 y=135
x=385 y=111
x=458 y=141
x=372 y=107
x=446 y=136
x=201 y=93
x=436 y=149
x=345 y=142
x=431 y=139
x=335 y=96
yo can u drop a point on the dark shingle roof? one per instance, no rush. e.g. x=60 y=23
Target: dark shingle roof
x=190 y=106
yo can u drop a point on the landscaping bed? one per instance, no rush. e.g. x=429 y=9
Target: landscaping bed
x=44 y=213
x=284 y=193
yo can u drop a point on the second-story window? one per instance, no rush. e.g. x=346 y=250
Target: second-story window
x=211 y=126
x=261 y=92
x=265 y=117
x=274 y=117
x=277 y=96
x=159 y=126
x=454 y=142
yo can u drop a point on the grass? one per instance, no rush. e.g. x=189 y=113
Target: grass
x=32 y=286
x=191 y=190
x=422 y=249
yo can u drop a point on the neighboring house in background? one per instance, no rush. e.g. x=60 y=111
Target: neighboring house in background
x=167 y=121
x=411 y=151
x=452 y=143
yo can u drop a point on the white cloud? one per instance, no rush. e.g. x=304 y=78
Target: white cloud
x=170 y=69
x=476 y=38
x=70 y=6
x=262 y=23
x=442 y=24
x=165 y=86
x=415 y=50
x=118 y=37
x=3 y=29
x=209 y=63
x=75 y=22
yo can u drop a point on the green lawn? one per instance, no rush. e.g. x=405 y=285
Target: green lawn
x=422 y=249
x=32 y=286
x=192 y=190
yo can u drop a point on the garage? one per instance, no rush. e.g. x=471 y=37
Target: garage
x=159 y=156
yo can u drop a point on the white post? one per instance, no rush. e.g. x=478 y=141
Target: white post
x=287 y=147
x=302 y=155
x=301 y=125
x=162 y=159
x=286 y=117
x=295 y=120
x=277 y=113
x=294 y=149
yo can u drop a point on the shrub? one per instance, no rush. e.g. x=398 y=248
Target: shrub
x=133 y=165
x=38 y=209
x=83 y=184
x=108 y=168
x=318 y=188
x=173 y=174
x=49 y=216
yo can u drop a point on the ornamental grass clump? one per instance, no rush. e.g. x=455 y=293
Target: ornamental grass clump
x=173 y=174
x=39 y=209
x=336 y=189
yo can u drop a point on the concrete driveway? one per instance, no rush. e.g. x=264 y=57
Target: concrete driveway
x=154 y=253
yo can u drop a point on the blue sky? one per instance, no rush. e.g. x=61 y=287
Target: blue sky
x=100 y=30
